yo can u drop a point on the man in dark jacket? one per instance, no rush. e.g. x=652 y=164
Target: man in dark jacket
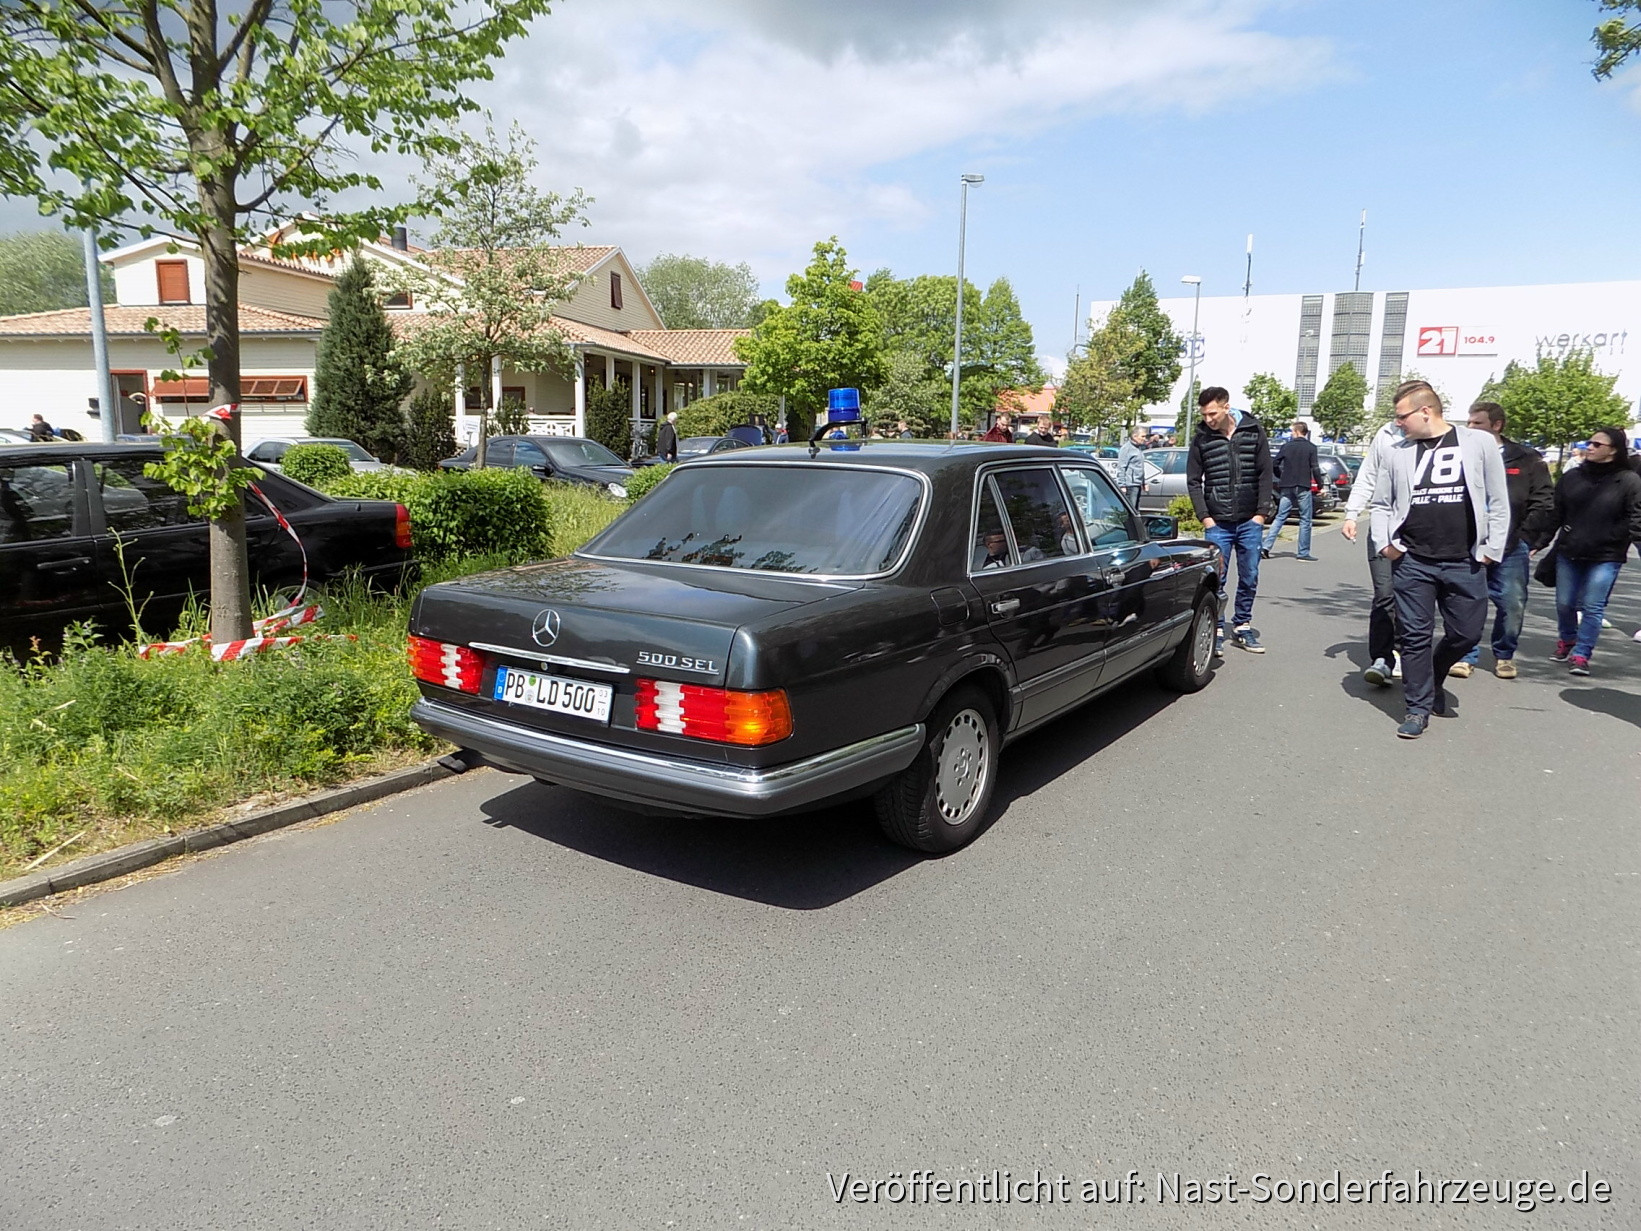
x=1228 y=473
x=1297 y=468
x=1532 y=525
x=666 y=438
x=1043 y=435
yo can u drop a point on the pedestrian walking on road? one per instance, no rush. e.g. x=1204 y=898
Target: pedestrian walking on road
x=1000 y=432
x=1228 y=473
x=1532 y=523
x=1131 y=466
x=1043 y=435
x=1441 y=508
x=1598 y=510
x=1298 y=474
x=1383 y=665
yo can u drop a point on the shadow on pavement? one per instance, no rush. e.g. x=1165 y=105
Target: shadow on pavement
x=1623 y=705
x=811 y=860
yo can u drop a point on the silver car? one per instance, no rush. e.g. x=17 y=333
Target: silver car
x=1164 y=479
x=266 y=453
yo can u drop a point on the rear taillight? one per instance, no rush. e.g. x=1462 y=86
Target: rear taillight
x=449 y=666
x=718 y=714
x=1342 y=481
x=401 y=527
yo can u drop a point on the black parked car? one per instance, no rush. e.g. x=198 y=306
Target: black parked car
x=769 y=629
x=692 y=447
x=62 y=506
x=571 y=459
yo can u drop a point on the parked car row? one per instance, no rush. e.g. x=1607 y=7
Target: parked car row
x=64 y=508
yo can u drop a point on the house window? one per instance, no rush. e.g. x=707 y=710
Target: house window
x=615 y=290
x=173 y=281
x=196 y=390
x=401 y=300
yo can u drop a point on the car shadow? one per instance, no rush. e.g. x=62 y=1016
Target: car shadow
x=811 y=860
x=1619 y=704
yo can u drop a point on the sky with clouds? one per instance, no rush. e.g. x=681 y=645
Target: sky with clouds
x=1114 y=135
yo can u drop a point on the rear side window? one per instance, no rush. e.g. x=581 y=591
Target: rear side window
x=36 y=502
x=781 y=519
x=498 y=453
x=991 y=540
x=132 y=501
x=1036 y=508
x=527 y=454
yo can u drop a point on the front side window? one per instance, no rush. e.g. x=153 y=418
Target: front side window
x=1105 y=517
x=133 y=501
x=822 y=520
x=580 y=453
x=36 y=502
x=1036 y=509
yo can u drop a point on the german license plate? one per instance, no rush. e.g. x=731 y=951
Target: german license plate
x=577 y=698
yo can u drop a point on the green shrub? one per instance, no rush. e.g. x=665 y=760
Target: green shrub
x=430 y=435
x=1190 y=527
x=644 y=480
x=513 y=419
x=609 y=419
x=576 y=512
x=315 y=465
x=715 y=415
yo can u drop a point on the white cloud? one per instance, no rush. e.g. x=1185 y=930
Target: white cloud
x=746 y=129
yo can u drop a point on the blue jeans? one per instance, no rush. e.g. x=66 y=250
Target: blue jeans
x=1507 y=587
x=1241 y=538
x=1456 y=588
x=1303 y=497
x=1583 y=586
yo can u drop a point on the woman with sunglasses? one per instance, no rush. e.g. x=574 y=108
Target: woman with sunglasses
x=1598 y=507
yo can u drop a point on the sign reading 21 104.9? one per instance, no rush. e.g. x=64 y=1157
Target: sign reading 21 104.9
x=1436 y=341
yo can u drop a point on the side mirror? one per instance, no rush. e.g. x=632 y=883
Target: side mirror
x=1162 y=527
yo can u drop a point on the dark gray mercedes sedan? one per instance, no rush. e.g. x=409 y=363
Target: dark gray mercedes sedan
x=775 y=628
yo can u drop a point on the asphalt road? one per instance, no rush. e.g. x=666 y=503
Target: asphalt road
x=1246 y=932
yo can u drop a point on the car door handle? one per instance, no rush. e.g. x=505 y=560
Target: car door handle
x=1005 y=606
x=1112 y=576
x=62 y=566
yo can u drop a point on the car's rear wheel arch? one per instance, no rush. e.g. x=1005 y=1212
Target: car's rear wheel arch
x=987 y=676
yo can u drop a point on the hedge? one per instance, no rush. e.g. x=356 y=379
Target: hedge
x=315 y=464
x=644 y=479
x=486 y=512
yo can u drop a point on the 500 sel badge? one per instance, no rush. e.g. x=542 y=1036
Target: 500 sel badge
x=678 y=662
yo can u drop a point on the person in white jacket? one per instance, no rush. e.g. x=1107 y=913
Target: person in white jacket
x=1441 y=511
x=1381 y=668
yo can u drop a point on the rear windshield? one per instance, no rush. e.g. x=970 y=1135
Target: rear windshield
x=778 y=519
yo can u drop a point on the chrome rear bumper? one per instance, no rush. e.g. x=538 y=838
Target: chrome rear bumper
x=673 y=783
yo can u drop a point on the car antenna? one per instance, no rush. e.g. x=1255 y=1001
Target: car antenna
x=842 y=409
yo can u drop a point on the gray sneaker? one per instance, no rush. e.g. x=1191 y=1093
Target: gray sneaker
x=1377 y=673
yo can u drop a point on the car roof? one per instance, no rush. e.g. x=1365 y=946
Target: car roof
x=926 y=456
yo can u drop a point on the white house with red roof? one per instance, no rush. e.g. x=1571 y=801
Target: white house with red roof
x=614 y=332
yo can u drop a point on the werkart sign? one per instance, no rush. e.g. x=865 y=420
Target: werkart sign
x=1440 y=341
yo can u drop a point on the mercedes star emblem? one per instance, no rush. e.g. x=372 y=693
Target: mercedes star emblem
x=545 y=628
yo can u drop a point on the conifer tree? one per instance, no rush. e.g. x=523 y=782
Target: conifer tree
x=358 y=386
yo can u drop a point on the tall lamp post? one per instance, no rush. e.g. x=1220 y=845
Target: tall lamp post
x=957 y=340
x=1196 y=314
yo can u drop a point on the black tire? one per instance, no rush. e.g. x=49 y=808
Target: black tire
x=1191 y=666
x=920 y=810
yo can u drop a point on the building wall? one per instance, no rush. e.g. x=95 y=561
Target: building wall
x=56 y=378
x=284 y=292
x=1456 y=338
x=137 y=283
x=591 y=302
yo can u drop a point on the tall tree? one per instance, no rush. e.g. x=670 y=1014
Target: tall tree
x=1557 y=401
x=172 y=116
x=910 y=392
x=430 y=434
x=1617 y=38
x=1101 y=389
x=359 y=384
x=691 y=292
x=44 y=270
x=1341 y=407
x=1270 y=401
x=1156 y=365
x=830 y=336
x=489 y=286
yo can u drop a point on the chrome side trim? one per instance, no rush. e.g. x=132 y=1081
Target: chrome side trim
x=561 y=660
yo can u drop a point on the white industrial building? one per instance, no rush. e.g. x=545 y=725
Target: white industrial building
x=1456 y=339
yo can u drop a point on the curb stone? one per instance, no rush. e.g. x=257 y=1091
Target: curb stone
x=108 y=864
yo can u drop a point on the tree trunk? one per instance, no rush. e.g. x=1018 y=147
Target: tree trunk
x=230 y=567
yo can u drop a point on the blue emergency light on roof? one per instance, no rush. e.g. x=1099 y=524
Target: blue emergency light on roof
x=843 y=406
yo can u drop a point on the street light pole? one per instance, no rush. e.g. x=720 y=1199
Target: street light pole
x=1196 y=315
x=957 y=340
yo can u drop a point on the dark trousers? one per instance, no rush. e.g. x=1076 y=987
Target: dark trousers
x=1382 y=615
x=1459 y=589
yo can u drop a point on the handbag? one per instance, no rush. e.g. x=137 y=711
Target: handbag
x=1544 y=572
